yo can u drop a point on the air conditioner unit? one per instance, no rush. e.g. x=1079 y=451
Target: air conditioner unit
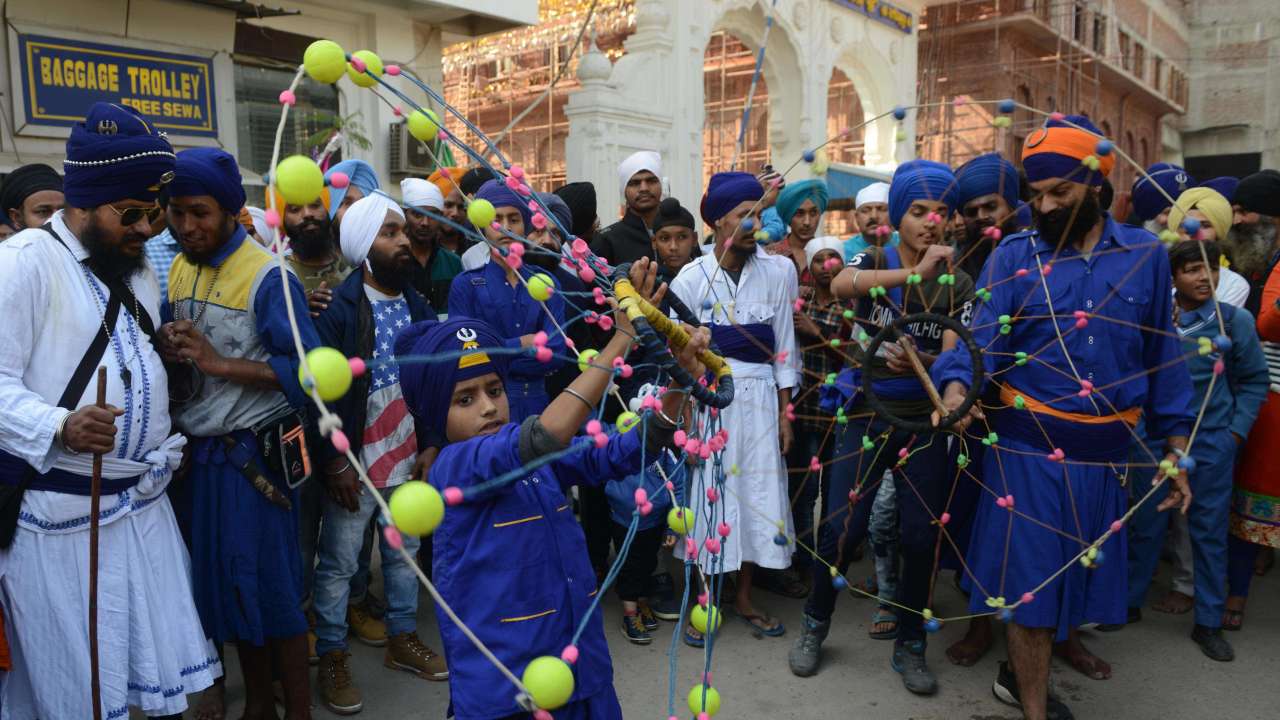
x=409 y=156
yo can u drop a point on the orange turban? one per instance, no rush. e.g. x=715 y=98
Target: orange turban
x=280 y=203
x=447 y=178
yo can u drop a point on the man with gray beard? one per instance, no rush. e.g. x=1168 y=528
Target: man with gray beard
x=1251 y=244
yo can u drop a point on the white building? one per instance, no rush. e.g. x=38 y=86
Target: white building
x=653 y=97
x=208 y=72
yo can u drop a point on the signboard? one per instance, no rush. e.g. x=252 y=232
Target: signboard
x=882 y=11
x=61 y=78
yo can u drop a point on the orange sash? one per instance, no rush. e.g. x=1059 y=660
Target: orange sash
x=1130 y=417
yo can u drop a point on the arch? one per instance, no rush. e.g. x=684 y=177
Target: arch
x=875 y=96
x=844 y=110
x=728 y=65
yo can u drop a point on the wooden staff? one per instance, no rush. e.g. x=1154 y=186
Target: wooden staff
x=95 y=497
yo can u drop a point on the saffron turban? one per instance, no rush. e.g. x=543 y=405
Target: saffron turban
x=447 y=178
x=1058 y=150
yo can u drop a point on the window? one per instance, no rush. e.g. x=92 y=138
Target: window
x=1140 y=61
x=1080 y=22
x=1126 y=50
x=1157 y=73
x=1099 y=34
x=258 y=113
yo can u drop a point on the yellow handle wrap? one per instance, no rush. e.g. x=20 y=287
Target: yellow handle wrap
x=630 y=302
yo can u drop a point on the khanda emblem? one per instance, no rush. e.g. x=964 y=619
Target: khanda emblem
x=107 y=127
x=469 y=341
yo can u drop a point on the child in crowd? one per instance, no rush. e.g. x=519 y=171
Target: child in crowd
x=510 y=558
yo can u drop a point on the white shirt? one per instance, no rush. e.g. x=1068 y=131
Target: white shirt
x=764 y=293
x=53 y=307
x=475 y=256
x=1232 y=288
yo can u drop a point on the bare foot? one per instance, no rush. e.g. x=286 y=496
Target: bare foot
x=975 y=643
x=1233 y=615
x=213 y=702
x=1088 y=664
x=1174 y=603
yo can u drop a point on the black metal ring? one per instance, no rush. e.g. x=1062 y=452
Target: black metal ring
x=891 y=332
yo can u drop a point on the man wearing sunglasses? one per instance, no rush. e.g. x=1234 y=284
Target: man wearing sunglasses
x=230 y=332
x=77 y=294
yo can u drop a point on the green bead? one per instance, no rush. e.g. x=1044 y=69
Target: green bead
x=831 y=378
x=1005 y=319
x=1020 y=358
x=848 y=314
x=867 y=444
x=913 y=279
x=983 y=294
x=835 y=342
x=962 y=460
x=1019 y=402
x=990 y=439
x=863 y=336
x=842 y=420
x=1006 y=329
x=946 y=279
x=1168 y=237
x=1166 y=465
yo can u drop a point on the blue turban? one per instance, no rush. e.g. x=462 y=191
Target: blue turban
x=1058 y=150
x=497 y=192
x=794 y=195
x=988 y=174
x=560 y=210
x=209 y=171
x=1225 y=185
x=361 y=175
x=727 y=190
x=115 y=155
x=1147 y=198
x=428 y=384
x=920 y=180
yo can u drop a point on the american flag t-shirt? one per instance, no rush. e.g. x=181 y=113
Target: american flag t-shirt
x=390 y=447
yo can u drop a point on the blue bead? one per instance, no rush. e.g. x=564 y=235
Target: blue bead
x=1004 y=615
x=1098 y=560
x=1222 y=343
x=839 y=583
x=809 y=155
x=1104 y=148
x=706 y=304
x=932 y=625
x=780 y=540
x=1191 y=225
x=899 y=113
x=748 y=224
x=1006 y=106
x=1186 y=463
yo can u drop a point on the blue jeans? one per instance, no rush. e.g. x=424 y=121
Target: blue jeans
x=1214 y=452
x=341 y=535
x=803 y=486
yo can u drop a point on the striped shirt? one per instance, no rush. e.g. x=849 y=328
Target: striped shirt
x=390 y=446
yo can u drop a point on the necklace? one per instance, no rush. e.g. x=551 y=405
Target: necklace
x=126 y=377
x=199 y=313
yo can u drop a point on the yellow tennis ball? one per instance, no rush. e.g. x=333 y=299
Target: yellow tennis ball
x=627 y=421
x=424 y=125
x=481 y=213
x=680 y=520
x=549 y=680
x=416 y=508
x=372 y=62
x=585 y=358
x=696 y=705
x=331 y=370
x=324 y=61
x=541 y=286
x=299 y=180
x=705 y=620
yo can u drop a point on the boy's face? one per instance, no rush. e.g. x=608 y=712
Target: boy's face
x=821 y=273
x=919 y=228
x=479 y=407
x=674 y=245
x=1194 y=281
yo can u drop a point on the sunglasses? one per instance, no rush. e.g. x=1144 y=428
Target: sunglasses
x=131 y=216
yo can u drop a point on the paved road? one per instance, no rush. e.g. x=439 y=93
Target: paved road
x=1160 y=674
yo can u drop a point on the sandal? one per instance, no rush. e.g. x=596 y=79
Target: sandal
x=1232 y=620
x=883 y=616
x=764 y=625
x=693 y=638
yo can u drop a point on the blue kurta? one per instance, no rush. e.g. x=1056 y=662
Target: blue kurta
x=1130 y=353
x=485 y=294
x=512 y=562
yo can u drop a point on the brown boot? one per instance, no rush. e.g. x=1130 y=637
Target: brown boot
x=337 y=691
x=367 y=629
x=406 y=652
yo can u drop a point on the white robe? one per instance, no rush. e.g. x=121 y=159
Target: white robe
x=152 y=648
x=755 y=502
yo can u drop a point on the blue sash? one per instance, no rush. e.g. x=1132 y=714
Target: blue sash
x=12 y=469
x=752 y=342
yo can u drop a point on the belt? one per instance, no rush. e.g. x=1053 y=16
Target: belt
x=1130 y=417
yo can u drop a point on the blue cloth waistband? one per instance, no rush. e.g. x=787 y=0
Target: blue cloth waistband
x=752 y=342
x=13 y=469
x=849 y=383
x=1105 y=442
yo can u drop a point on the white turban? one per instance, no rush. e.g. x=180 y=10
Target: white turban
x=361 y=223
x=266 y=234
x=818 y=244
x=418 y=193
x=873 y=193
x=636 y=162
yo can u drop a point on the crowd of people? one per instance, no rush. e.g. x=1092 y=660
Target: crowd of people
x=1011 y=371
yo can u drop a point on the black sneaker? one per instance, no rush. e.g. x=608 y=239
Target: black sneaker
x=1134 y=615
x=1005 y=688
x=633 y=628
x=1213 y=644
x=647 y=617
x=668 y=608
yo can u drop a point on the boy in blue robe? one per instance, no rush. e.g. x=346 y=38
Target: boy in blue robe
x=510 y=559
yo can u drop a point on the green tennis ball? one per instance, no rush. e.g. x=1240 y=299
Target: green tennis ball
x=372 y=62
x=680 y=520
x=324 y=61
x=416 y=508
x=627 y=421
x=424 y=125
x=541 y=286
x=299 y=180
x=331 y=370
x=705 y=620
x=549 y=681
x=585 y=358
x=696 y=705
x=481 y=213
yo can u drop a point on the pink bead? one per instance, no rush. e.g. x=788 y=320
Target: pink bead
x=340 y=441
x=272 y=217
x=1219 y=367
x=540 y=338
x=641 y=496
x=712 y=495
x=690 y=548
x=542 y=715
x=680 y=438
x=831 y=263
x=815 y=464
x=669 y=486
x=934 y=218
x=704 y=716
x=580 y=247
x=944 y=518
x=524 y=190
x=1002 y=502
x=543 y=354
x=392 y=70
x=692 y=446
x=288 y=98
x=776 y=182
x=712 y=545
x=539 y=220
x=357 y=64
x=617 y=362
x=453 y=496
x=626 y=371
x=1081 y=324
x=568 y=342
x=1028 y=598
x=598 y=295
x=514 y=262
x=704 y=452
x=883 y=231
x=606 y=323
x=513 y=182
x=1008 y=499
x=782 y=357
x=1117 y=525
x=397 y=111
x=1057 y=116
x=853 y=496
x=672 y=717
x=727 y=243
x=724 y=530
x=442 y=135
x=517 y=249
x=798 y=305
x=517 y=171
x=569 y=654
x=594 y=427
x=992 y=232
x=960 y=100
x=1046 y=269
x=587 y=275
x=1086 y=384
x=357 y=366
x=1021 y=272
x=495 y=225
x=339 y=180
x=601 y=440
x=902 y=454
x=393 y=537
x=533 y=206
x=703 y=599
x=646 y=508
